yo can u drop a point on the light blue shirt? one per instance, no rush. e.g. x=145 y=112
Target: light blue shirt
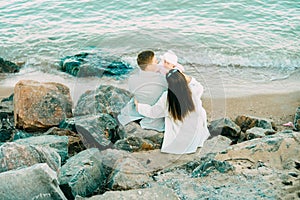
x=147 y=87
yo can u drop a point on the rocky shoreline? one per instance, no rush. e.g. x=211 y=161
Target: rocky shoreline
x=54 y=152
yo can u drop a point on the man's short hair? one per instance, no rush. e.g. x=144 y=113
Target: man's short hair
x=144 y=58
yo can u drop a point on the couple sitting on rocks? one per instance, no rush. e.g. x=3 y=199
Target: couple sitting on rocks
x=166 y=99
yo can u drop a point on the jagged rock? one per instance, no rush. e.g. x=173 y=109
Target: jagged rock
x=134 y=129
x=35 y=182
x=58 y=143
x=207 y=166
x=75 y=144
x=225 y=127
x=297 y=119
x=14 y=156
x=8 y=67
x=7 y=107
x=109 y=158
x=128 y=174
x=247 y=122
x=279 y=151
x=155 y=193
x=257 y=132
x=20 y=134
x=215 y=145
x=105 y=99
x=7 y=129
x=40 y=105
x=99 y=131
x=82 y=174
x=133 y=143
x=88 y=64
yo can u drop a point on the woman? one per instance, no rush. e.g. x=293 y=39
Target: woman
x=185 y=118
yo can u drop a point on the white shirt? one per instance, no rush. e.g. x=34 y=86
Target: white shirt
x=181 y=137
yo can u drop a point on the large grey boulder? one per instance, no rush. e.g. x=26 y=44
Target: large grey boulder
x=109 y=157
x=105 y=99
x=58 y=143
x=128 y=174
x=36 y=182
x=82 y=174
x=100 y=130
x=279 y=151
x=257 y=132
x=225 y=127
x=14 y=156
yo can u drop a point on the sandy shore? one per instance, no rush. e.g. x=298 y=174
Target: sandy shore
x=279 y=107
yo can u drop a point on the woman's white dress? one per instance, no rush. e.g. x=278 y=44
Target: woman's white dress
x=181 y=137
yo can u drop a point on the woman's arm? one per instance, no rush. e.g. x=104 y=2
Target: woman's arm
x=158 y=110
x=196 y=88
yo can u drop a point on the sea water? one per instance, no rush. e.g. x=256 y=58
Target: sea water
x=231 y=47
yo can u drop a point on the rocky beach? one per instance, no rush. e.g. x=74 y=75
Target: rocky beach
x=55 y=148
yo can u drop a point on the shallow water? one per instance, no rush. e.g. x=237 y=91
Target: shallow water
x=233 y=47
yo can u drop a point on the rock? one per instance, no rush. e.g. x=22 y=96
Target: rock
x=279 y=151
x=247 y=122
x=75 y=144
x=99 y=131
x=109 y=157
x=7 y=129
x=7 y=107
x=155 y=193
x=20 y=134
x=82 y=174
x=297 y=119
x=133 y=143
x=88 y=64
x=218 y=185
x=128 y=174
x=8 y=67
x=14 y=156
x=58 y=143
x=155 y=161
x=35 y=182
x=225 y=127
x=257 y=132
x=215 y=145
x=134 y=129
x=105 y=99
x=40 y=105
x=207 y=166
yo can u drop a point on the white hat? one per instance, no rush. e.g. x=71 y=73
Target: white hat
x=171 y=57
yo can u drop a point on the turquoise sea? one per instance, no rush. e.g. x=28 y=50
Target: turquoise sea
x=225 y=44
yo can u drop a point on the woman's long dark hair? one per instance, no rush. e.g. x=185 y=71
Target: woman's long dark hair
x=179 y=98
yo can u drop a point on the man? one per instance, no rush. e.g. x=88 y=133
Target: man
x=147 y=86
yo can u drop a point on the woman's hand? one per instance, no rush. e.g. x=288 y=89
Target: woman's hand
x=136 y=104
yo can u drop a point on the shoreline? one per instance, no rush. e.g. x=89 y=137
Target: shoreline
x=279 y=107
